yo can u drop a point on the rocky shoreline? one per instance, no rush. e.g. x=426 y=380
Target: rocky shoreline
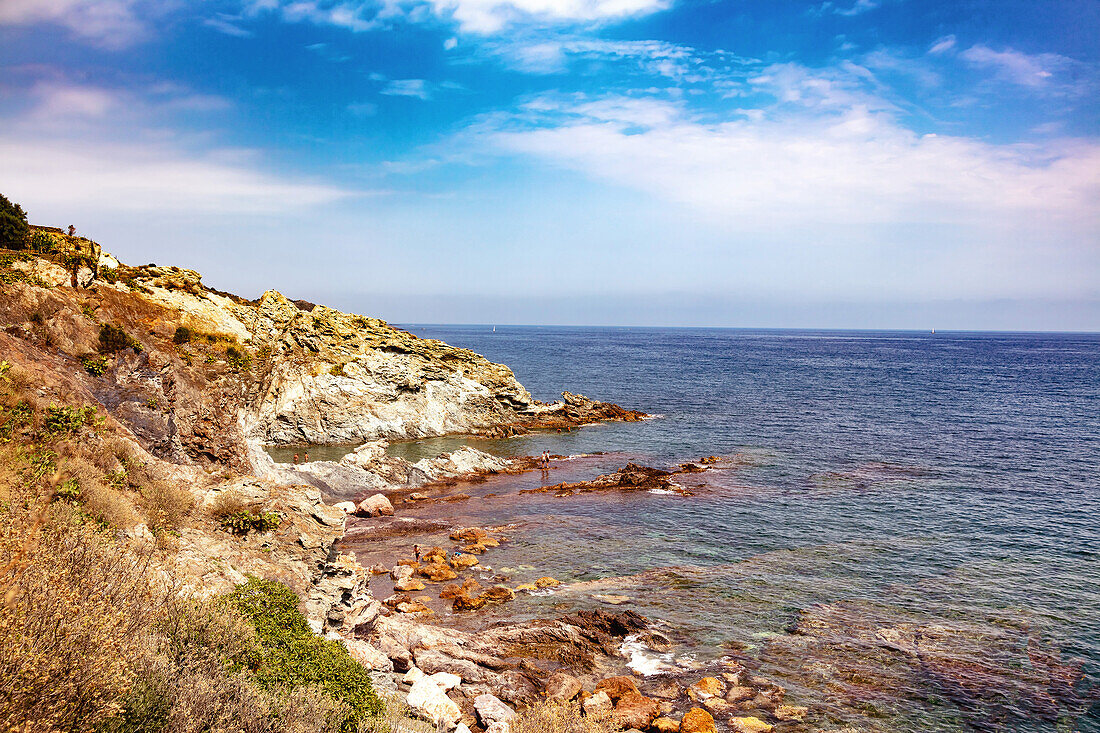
x=394 y=615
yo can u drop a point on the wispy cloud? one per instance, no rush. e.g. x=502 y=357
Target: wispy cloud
x=859 y=7
x=480 y=17
x=1026 y=70
x=417 y=88
x=229 y=25
x=111 y=24
x=149 y=178
x=942 y=45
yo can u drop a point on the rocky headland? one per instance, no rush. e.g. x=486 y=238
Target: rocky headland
x=185 y=385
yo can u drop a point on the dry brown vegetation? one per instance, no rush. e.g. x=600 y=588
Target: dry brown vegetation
x=96 y=635
x=561 y=717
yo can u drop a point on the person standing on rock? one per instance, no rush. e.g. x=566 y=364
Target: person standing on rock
x=72 y=231
x=307 y=458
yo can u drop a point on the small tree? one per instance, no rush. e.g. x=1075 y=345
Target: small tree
x=13 y=223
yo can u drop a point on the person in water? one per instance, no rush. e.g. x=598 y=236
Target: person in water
x=307 y=458
x=295 y=457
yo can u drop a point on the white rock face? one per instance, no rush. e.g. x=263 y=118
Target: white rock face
x=412 y=676
x=446 y=680
x=429 y=700
x=347 y=507
x=367 y=655
x=491 y=709
x=463 y=460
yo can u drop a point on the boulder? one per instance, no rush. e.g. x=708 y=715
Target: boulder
x=497 y=728
x=413 y=675
x=409 y=584
x=706 y=687
x=750 y=724
x=469 y=534
x=597 y=704
x=498 y=594
x=465 y=602
x=738 y=693
x=616 y=687
x=369 y=656
x=636 y=711
x=462 y=561
x=375 y=506
x=411 y=606
x=665 y=725
x=697 y=720
x=491 y=709
x=437 y=572
x=428 y=699
x=547 y=582
x=562 y=686
x=347 y=507
x=446 y=680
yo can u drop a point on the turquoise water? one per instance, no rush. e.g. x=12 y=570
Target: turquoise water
x=907 y=533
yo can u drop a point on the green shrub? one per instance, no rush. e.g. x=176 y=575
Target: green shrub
x=41 y=243
x=337 y=371
x=182 y=335
x=113 y=338
x=13 y=223
x=244 y=521
x=19 y=415
x=152 y=403
x=291 y=655
x=66 y=419
x=108 y=274
x=239 y=360
x=94 y=364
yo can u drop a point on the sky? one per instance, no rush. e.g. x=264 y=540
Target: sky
x=747 y=163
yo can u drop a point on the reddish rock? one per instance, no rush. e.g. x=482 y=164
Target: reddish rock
x=616 y=687
x=636 y=711
x=562 y=686
x=697 y=720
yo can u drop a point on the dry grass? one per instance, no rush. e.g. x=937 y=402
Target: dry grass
x=396 y=718
x=166 y=505
x=73 y=630
x=561 y=717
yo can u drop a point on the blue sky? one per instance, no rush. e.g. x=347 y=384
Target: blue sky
x=840 y=163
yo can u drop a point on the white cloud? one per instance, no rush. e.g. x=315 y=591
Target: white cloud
x=857 y=8
x=853 y=167
x=552 y=55
x=943 y=45
x=227 y=24
x=490 y=16
x=471 y=16
x=417 y=88
x=107 y=23
x=147 y=178
x=1027 y=70
x=87 y=147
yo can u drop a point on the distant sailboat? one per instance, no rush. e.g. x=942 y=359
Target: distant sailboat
x=933 y=330
x=495 y=329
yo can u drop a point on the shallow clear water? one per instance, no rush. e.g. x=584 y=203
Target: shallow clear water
x=924 y=508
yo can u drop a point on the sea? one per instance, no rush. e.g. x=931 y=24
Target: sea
x=902 y=529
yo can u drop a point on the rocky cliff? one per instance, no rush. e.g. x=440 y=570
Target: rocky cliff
x=225 y=372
